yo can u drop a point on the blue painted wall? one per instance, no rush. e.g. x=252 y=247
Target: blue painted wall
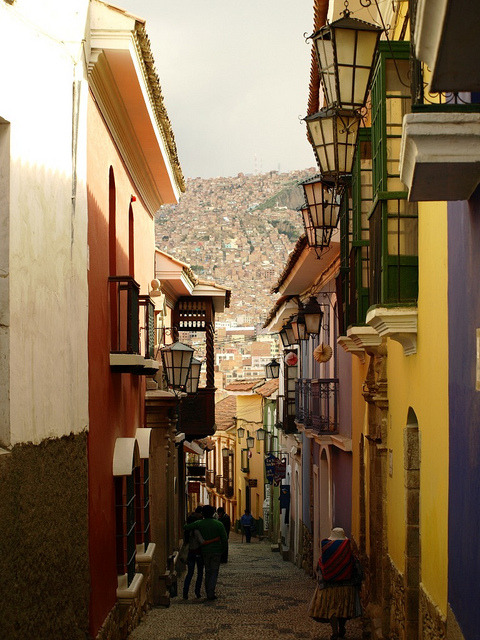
x=464 y=408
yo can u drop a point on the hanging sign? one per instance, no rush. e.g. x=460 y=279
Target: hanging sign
x=280 y=471
x=270 y=461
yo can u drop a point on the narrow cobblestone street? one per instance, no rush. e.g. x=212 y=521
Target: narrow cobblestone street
x=259 y=595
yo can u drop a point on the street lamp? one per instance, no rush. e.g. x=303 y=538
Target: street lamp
x=313 y=316
x=289 y=331
x=240 y=432
x=345 y=52
x=299 y=327
x=194 y=376
x=272 y=369
x=250 y=442
x=333 y=133
x=261 y=434
x=283 y=337
x=322 y=210
x=176 y=360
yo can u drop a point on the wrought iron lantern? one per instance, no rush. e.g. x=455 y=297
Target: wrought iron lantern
x=299 y=327
x=322 y=211
x=250 y=442
x=240 y=432
x=333 y=134
x=345 y=51
x=313 y=316
x=284 y=337
x=261 y=434
x=289 y=331
x=194 y=376
x=176 y=360
x=225 y=453
x=272 y=369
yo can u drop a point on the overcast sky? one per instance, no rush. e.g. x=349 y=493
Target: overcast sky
x=234 y=75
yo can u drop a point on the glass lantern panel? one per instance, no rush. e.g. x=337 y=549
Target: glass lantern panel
x=316 y=132
x=366 y=45
x=346 y=87
x=326 y=63
x=361 y=82
x=345 y=45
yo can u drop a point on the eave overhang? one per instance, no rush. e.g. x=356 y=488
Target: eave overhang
x=125 y=87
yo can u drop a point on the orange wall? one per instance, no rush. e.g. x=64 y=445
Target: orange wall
x=116 y=401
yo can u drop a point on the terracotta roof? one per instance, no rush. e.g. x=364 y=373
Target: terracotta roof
x=243 y=385
x=320 y=10
x=225 y=412
x=292 y=258
x=268 y=388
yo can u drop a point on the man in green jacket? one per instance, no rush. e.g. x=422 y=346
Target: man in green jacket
x=215 y=543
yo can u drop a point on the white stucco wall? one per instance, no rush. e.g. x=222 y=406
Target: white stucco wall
x=43 y=269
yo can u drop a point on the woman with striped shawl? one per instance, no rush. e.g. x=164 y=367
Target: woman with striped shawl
x=336 y=598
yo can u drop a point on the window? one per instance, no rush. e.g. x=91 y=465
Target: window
x=393 y=260
x=142 y=503
x=125 y=525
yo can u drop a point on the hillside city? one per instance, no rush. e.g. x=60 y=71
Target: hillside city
x=237 y=231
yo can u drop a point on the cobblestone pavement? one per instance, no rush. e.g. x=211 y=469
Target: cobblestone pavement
x=259 y=595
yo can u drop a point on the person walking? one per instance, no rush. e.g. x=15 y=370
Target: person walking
x=247 y=522
x=224 y=518
x=214 y=544
x=336 y=598
x=194 y=558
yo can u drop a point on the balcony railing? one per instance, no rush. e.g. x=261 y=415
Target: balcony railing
x=219 y=484
x=197 y=414
x=317 y=404
x=196 y=470
x=210 y=478
x=147 y=326
x=124 y=296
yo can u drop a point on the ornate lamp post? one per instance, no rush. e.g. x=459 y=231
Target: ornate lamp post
x=194 y=376
x=272 y=369
x=313 y=316
x=333 y=133
x=345 y=52
x=176 y=360
x=322 y=210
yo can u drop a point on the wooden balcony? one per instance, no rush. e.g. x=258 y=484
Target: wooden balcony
x=131 y=316
x=196 y=470
x=229 y=491
x=219 y=484
x=196 y=414
x=316 y=405
x=210 y=478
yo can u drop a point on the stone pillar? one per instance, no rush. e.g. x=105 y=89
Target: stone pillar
x=160 y=417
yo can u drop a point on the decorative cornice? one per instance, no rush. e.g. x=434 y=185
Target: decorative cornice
x=397 y=323
x=157 y=99
x=365 y=337
x=440 y=155
x=350 y=347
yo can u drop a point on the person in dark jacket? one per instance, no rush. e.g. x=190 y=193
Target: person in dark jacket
x=247 y=523
x=224 y=518
x=214 y=544
x=194 y=558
